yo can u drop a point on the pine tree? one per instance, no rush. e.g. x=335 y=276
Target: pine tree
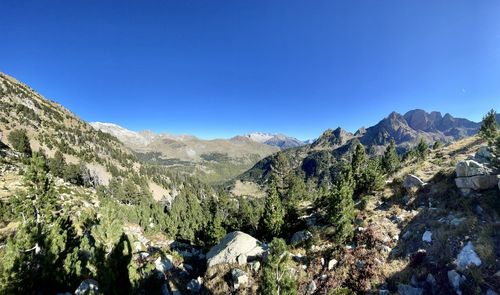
x=489 y=128
x=20 y=141
x=341 y=206
x=422 y=148
x=436 y=145
x=272 y=218
x=280 y=169
x=276 y=277
x=390 y=161
x=57 y=165
x=358 y=166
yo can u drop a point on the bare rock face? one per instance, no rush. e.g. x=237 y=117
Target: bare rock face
x=232 y=246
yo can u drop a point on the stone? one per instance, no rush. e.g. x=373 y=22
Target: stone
x=242 y=259
x=467 y=168
x=483 y=155
x=407 y=235
x=88 y=286
x=232 y=246
x=239 y=278
x=468 y=256
x=164 y=264
x=430 y=279
x=195 y=285
x=311 y=288
x=412 y=182
x=404 y=289
x=427 y=236
x=478 y=182
x=301 y=236
x=455 y=280
x=332 y=263
x=255 y=266
x=491 y=292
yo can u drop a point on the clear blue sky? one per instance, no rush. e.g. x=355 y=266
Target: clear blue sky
x=219 y=68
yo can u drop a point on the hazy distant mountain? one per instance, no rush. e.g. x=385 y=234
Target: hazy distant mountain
x=212 y=160
x=279 y=140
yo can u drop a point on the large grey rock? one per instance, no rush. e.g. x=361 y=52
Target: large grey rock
x=409 y=290
x=239 y=278
x=301 y=236
x=467 y=168
x=232 y=246
x=468 y=256
x=412 y=182
x=478 y=182
x=87 y=287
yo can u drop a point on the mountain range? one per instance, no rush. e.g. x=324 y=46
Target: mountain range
x=317 y=158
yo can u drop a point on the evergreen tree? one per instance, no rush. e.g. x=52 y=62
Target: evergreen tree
x=422 y=148
x=489 y=127
x=341 y=206
x=215 y=230
x=390 y=161
x=436 y=145
x=280 y=169
x=276 y=277
x=57 y=165
x=372 y=178
x=358 y=166
x=272 y=218
x=20 y=141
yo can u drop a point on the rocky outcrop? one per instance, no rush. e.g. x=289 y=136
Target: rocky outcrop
x=478 y=182
x=467 y=168
x=235 y=247
x=473 y=175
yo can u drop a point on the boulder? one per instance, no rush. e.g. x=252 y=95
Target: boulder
x=455 y=280
x=232 y=246
x=87 y=286
x=483 y=155
x=478 y=182
x=239 y=278
x=311 y=288
x=467 y=257
x=467 y=168
x=409 y=290
x=427 y=236
x=164 y=264
x=332 y=263
x=301 y=236
x=195 y=285
x=412 y=182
